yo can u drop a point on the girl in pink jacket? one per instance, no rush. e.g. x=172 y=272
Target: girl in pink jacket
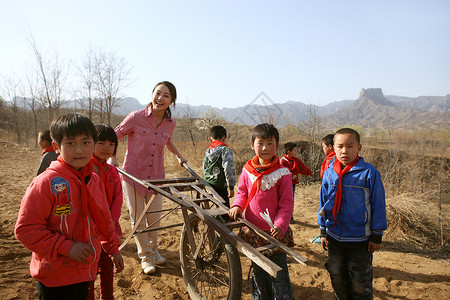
x=266 y=187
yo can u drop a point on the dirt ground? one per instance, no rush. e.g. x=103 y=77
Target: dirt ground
x=397 y=274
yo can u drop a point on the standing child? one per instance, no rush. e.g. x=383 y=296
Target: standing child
x=266 y=185
x=295 y=166
x=64 y=215
x=352 y=217
x=218 y=165
x=49 y=154
x=328 y=149
x=105 y=148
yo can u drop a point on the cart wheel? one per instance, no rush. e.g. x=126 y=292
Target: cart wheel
x=216 y=273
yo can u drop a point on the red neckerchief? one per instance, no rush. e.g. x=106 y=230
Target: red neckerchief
x=252 y=166
x=88 y=203
x=337 y=167
x=48 y=149
x=292 y=162
x=103 y=166
x=216 y=143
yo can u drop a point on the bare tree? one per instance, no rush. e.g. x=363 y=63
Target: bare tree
x=312 y=129
x=87 y=94
x=11 y=88
x=111 y=75
x=52 y=74
x=208 y=119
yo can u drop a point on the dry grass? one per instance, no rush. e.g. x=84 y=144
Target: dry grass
x=416 y=184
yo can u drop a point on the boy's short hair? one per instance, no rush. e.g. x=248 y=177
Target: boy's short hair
x=289 y=146
x=45 y=136
x=265 y=131
x=328 y=139
x=348 y=131
x=106 y=133
x=70 y=125
x=217 y=132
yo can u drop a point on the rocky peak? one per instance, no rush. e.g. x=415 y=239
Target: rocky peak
x=374 y=94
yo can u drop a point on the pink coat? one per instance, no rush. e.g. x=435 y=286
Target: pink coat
x=275 y=194
x=144 y=157
x=49 y=223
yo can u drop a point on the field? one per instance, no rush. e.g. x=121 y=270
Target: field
x=405 y=268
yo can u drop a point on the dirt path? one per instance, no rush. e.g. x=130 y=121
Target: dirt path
x=397 y=275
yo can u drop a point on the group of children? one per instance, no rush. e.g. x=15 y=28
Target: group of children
x=352 y=209
x=70 y=212
x=69 y=216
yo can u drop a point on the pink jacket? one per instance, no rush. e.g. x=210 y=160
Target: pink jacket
x=144 y=157
x=117 y=200
x=49 y=223
x=275 y=194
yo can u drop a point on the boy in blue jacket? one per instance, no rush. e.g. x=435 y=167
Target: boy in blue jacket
x=352 y=217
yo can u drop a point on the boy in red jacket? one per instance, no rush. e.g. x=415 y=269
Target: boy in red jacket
x=64 y=215
x=328 y=149
x=295 y=165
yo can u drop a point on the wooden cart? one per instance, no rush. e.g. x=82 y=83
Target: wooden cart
x=209 y=248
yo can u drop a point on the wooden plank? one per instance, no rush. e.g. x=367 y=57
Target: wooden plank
x=139 y=220
x=272 y=240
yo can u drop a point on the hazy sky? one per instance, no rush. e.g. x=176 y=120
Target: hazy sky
x=225 y=53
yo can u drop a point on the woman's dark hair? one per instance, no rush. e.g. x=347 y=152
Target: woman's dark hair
x=70 y=125
x=173 y=94
x=265 y=131
x=106 y=133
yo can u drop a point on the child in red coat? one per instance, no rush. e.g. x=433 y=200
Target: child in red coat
x=294 y=164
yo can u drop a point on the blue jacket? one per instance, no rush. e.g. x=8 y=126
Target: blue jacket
x=363 y=207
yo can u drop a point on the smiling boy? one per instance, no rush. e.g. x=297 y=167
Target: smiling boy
x=352 y=217
x=64 y=215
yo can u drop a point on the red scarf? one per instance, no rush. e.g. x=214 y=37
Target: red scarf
x=48 y=149
x=216 y=143
x=252 y=166
x=337 y=167
x=292 y=163
x=103 y=166
x=88 y=203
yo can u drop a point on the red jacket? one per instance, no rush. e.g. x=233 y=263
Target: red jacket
x=326 y=163
x=296 y=166
x=50 y=221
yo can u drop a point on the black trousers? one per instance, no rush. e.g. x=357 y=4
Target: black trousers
x=77 y=291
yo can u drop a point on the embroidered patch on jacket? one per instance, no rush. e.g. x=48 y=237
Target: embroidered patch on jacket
x=60 y=187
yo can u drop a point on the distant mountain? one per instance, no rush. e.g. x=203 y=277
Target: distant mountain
x=371 y=109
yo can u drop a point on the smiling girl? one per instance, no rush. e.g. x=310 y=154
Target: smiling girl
x=149 y=131
x=105 y=147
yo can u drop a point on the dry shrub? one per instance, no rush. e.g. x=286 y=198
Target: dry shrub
x=414 y=223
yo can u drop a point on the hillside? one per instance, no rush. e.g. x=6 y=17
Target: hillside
x=373 y=110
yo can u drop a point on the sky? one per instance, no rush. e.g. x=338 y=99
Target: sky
x=225 y=53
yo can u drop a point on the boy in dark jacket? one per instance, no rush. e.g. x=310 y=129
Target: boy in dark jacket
x=218 y=164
